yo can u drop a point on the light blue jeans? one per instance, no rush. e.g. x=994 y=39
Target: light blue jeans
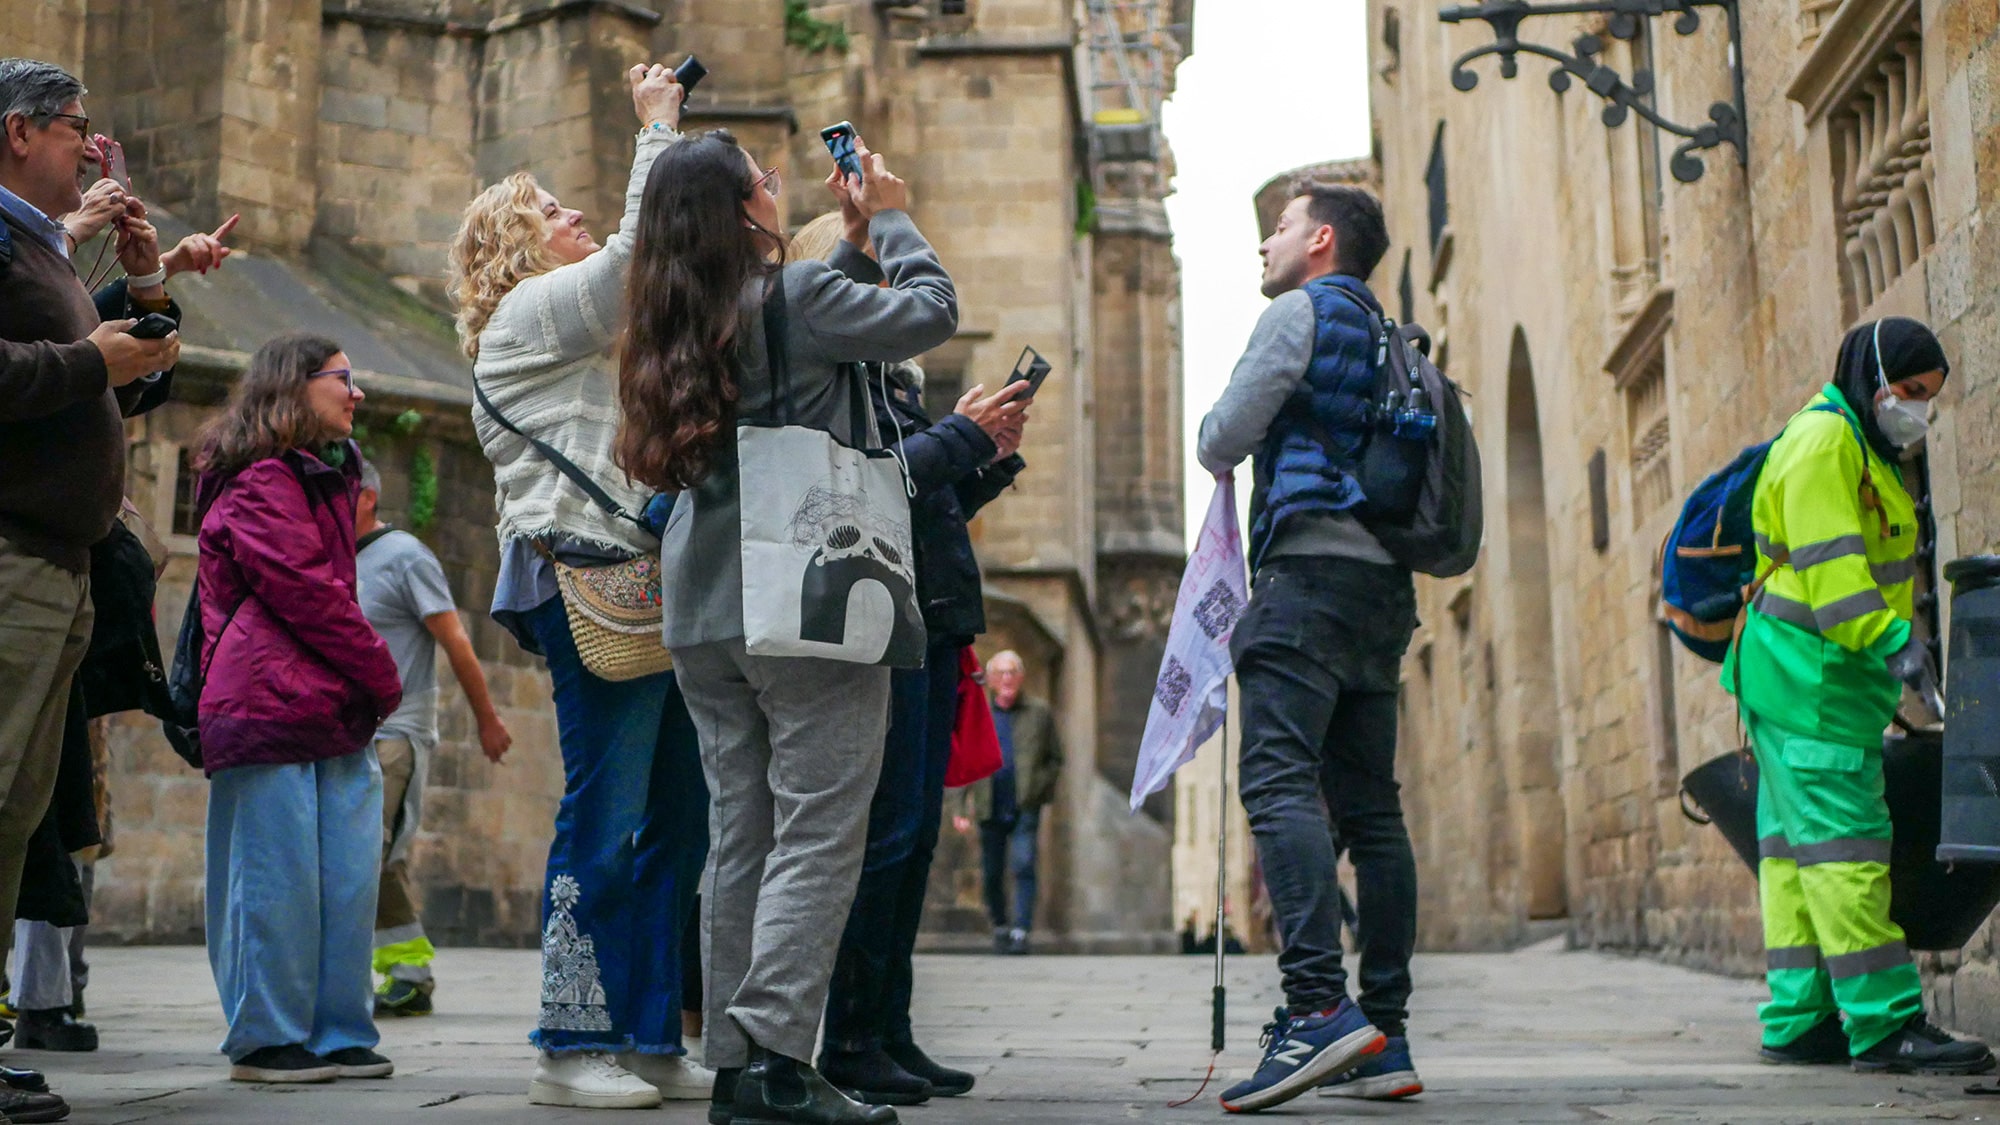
x=294 y=852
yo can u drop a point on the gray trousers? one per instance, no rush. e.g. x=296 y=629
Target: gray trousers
x=792 y=749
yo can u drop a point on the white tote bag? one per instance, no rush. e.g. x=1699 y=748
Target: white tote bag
x=828 y=569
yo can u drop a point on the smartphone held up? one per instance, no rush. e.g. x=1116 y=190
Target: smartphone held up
x=839 y=140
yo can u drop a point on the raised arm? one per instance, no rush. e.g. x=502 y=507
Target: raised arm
x=577 y=306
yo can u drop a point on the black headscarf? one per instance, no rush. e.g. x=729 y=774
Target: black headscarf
x=1908 y=348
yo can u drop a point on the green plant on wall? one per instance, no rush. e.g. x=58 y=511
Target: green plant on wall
x=423 y=488
x=809 y=33
x=1086 y=208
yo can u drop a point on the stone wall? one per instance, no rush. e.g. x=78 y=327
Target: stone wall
x=1623 y=334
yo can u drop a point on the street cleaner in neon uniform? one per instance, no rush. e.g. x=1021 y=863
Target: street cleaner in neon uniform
x=1826 y=650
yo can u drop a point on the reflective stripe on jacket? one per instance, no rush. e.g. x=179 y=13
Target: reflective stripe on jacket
x=1843 y=531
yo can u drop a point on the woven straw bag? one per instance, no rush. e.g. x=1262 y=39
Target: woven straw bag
x=614 y=617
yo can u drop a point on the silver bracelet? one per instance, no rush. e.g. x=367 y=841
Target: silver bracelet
x=157 y=277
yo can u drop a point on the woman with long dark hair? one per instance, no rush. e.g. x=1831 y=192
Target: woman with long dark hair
x=296 y=683
x=538 y=311
x=791 y=746
x=1826 y=650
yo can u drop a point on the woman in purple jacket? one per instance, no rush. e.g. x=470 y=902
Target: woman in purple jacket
x=296 y=683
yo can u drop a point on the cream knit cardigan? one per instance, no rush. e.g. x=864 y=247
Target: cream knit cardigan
x=545 y=362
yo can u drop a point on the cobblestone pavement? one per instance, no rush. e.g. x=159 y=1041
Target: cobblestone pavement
x=1539 y=1035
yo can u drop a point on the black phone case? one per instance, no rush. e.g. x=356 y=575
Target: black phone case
x=689 y=74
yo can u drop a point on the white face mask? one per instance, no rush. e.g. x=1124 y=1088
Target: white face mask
x=1903 y=422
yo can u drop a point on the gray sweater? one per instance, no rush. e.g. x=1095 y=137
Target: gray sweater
x=830 y=320
x=1269 y=373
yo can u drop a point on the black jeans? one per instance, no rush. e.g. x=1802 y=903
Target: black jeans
x=868 y=1003
x=1317 y=664
x=1004 y=846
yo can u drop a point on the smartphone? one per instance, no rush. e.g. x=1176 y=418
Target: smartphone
x=1032 y=367
x=840 y=142
x=689 y=74
x=114 y=161
x=153 y=326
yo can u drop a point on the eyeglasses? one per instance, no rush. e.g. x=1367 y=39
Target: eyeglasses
x=770 y=181
x=78 y=120
x=346 y=376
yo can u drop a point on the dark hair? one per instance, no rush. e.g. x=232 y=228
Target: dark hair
x=695 y=250
x=1360 y=237
x=36 y=89
x=268 y=413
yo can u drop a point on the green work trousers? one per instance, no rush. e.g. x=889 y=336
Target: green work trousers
x=1823 y=838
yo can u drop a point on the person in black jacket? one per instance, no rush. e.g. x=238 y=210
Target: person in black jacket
x=956 y=467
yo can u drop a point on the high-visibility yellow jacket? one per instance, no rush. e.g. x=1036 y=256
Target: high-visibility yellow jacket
x=1842 y=530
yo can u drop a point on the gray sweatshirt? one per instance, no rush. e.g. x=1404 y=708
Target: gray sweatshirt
x=1269 y=373
x=830 y=319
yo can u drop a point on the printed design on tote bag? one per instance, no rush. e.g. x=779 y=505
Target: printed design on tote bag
x=850 y=544
x=572 y=994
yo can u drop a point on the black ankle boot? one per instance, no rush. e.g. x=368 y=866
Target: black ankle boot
x=54 y=1029
x=873 y=1078
x=777 y=1090
x=945 y=1082
x=722 y=1102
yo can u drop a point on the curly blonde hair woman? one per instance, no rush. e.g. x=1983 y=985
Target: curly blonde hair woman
x=539 y=306
x=503 y=241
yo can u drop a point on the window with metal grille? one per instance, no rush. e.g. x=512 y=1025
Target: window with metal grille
x=184 y=522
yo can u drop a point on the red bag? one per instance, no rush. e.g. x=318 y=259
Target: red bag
x=975 y=745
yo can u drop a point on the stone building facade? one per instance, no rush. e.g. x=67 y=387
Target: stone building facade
x=350 y=133
x=1624 y=333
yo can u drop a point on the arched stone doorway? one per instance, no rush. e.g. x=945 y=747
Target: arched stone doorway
x=1532 y=723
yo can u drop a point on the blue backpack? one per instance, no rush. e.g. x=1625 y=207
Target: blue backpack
x=1709 y=560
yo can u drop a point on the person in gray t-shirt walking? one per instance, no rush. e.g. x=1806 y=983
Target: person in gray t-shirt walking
x=404 y=595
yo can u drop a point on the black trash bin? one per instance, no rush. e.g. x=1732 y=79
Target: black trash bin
x=1970 y=828
x=1939 y=905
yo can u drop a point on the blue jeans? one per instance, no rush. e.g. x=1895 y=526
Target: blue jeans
x=868 y=1002
x=1318 y=656
x=631 y=837
x=1008 y=845
x=293 y=855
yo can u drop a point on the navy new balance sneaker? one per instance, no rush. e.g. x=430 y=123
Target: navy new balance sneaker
x=1385 y=1077
x=1301 y=1051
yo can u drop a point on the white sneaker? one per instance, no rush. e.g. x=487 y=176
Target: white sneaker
x=676 y=1077
x=589 y=1080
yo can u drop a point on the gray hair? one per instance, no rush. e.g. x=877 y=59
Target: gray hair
x=1009 y=655
x=37 y=90
x=371 y=477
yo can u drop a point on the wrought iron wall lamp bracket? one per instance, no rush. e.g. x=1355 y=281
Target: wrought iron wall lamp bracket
x=1725 y=119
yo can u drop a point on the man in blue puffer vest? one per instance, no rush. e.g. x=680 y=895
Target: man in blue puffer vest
x=1317 y=657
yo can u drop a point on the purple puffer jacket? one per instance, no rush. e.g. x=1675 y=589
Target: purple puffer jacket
x=295 y=672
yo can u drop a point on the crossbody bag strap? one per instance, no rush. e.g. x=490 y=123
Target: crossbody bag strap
x=554 y=457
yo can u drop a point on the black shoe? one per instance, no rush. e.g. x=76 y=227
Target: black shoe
x=402 y=998
x=24 y=1107
x=945 y=1082
x=1920 y=1048
x=360 y=1062
x=873 y=1078
x=1824 y=1045
x=29 y=1080
x=777 y=1090
x=1017 y=943
x=722 y=1102
x=1001 y=941
x=289 y=1063
x=54 y=1029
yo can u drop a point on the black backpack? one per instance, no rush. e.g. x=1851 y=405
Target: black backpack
x=1419 y=463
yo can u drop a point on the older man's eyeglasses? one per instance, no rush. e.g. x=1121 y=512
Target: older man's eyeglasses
x=78 y=120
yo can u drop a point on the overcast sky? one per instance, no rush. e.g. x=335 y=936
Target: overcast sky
x=1272 y=85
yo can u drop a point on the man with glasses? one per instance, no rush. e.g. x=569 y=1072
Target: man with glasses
x=68 y=377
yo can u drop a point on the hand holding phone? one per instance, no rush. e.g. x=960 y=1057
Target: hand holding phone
x=112 y=161
x=153 y=326
x=839 y=140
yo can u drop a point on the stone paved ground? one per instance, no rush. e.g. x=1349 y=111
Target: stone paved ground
x=1535 y=1036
